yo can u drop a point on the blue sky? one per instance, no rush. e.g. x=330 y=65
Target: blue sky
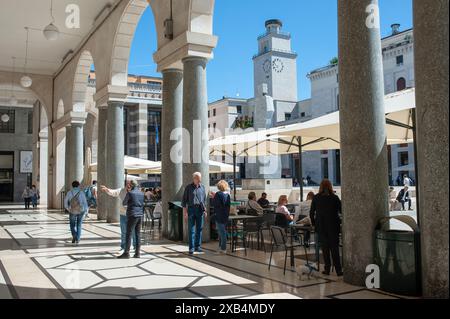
x=237 y=23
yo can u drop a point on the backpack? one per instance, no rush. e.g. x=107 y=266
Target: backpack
x=75 y=204
x=88 y=193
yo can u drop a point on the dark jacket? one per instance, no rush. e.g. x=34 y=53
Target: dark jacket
x=194 y=196
x=401 y=194
x=221 y=203
x=324 y=214
x=263 y=202
x=134 y=200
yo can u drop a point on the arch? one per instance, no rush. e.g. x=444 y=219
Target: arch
x=81 y=81
x=123 y=39
x=401 y=84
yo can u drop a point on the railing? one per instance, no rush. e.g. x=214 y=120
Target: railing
x=139 y=90
x=287 y=34
x=275 y=50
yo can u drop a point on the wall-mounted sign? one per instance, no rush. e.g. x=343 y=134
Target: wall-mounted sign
x=26 y=162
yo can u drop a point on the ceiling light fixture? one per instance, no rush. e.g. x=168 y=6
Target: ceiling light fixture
x=5 y=118
x=51 y=32
x=25 y=80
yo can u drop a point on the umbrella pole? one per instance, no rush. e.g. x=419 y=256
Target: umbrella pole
x=300 y=167
x=234 y=175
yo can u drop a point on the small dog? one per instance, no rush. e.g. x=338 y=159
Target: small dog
x=307 y=271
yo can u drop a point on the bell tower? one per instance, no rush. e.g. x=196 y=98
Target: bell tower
x=276 y=63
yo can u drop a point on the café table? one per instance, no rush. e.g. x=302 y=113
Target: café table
x=234 y=219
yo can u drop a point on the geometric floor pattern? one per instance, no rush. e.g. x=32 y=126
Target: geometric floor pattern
x=37 y=260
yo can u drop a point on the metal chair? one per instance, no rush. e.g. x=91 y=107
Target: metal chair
x=252 y=230
x=279 y=240
x=268 y=220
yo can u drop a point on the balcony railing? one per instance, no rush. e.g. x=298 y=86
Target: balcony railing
x=283 y=33
x=139 y=90
x=275 y=50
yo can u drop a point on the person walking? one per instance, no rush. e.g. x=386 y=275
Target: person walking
x=35 y=195
x=134 y=200
x=222 y=204
x=76 y=204
x=324 y=214
x=26 y=196
x=121 y=193
x=194 y=211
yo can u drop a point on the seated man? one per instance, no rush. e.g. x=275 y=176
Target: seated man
x=263 y=202
x=403 y=197
x=252 y=204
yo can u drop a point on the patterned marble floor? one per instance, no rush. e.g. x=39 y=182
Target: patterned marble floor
x=37 y=260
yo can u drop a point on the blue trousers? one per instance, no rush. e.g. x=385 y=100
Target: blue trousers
x=123 y=233
x=195 y=227
x=222 y=232
x=76 y=225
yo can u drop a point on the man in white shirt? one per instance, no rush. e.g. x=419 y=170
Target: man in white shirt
x=121 y=193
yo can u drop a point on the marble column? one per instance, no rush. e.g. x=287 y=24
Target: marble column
x=76 y=170
x=114 y=157
x=431 y=70
x=101 y=164
x=172 y=119
x=67 y=161
x=195 y=123
x=363 y=135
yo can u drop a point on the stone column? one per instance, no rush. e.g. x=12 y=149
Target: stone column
x=195 y=123
x=101 y=164
x=67 y=161
x=76 y=153
x=172 y=118
x=114 y=157
x=363 y=135
x=431 y=69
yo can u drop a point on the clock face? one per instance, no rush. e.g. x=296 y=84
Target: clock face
x=266 y=66
x=278 y=65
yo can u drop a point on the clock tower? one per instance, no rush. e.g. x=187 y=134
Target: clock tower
x=276 y=63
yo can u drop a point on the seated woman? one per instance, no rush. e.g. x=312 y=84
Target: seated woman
x=252 y=204
x=286 y=219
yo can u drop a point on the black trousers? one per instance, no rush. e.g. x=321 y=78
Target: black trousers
x=133 y=223
x=407 y=201
x=27 y=202
x=329 y=242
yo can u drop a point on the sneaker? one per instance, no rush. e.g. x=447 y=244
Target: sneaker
x=199 y=250
x=137 y=255
x=124 y=256
x=191 y=252
x=340 y=274
x=77 y=243
x=223 y=252
x=73 y=240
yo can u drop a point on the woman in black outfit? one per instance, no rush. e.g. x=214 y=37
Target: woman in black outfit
x=324 y=214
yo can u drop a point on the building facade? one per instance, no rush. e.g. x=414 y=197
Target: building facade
x=275 y=102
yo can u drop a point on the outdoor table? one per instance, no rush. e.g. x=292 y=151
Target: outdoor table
x=233 y=219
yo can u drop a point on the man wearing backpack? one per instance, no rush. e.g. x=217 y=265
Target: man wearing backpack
x=76 y=204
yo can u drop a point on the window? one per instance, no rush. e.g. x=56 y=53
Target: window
x=214 y=126
x=337 y=77
x=7 y=120
x=239 y=109
x=287 y=116
x=337 y=102
x=303 y=114
x=214 y=112
x=401 y=84
x=399 y=60
x=30 y=122
x=209 y=114
x=403 y=158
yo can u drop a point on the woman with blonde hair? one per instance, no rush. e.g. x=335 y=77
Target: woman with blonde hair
x=324 y=214
x=283 y=210
x=222 y=203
